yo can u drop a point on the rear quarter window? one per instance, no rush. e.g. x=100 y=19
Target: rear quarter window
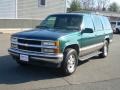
x=118 y=23
x=106 y=23
x=113 y=23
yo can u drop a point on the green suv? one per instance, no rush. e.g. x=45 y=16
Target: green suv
x=63 y=39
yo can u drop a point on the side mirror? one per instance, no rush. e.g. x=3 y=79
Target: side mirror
x=87 y=30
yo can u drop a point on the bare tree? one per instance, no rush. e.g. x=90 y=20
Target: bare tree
x=102 y=4
x=87 y=4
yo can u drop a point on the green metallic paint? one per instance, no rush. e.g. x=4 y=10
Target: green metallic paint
x=70 y=39
x=83 y=40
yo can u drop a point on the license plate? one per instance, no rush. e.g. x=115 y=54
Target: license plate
x=24 y=58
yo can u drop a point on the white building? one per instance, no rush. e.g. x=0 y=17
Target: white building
x=31 y=8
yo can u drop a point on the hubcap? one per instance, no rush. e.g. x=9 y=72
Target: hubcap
x=71 y=63
x=105 y=50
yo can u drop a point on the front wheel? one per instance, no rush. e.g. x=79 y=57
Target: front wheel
x=70 y=61
x=104 y=50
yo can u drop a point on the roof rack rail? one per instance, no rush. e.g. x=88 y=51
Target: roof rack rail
x=87 y=12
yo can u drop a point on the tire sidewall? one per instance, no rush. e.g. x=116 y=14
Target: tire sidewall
x=107 y=46
x=102 y=55
x=67 y=53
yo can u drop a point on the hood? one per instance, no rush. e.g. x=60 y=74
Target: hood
x=42 y=34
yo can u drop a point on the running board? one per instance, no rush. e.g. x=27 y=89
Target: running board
x=89 y=55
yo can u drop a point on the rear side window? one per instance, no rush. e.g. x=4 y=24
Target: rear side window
x=118 y=23
x=87 y=22
x=113 y=23
x=106 y=23
x=97 y=22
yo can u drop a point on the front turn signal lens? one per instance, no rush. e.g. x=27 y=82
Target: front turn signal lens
x=57 y=43
x=57 y=50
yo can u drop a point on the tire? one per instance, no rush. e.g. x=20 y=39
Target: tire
x=117 y=31
x=104 y=50
x=70 y=61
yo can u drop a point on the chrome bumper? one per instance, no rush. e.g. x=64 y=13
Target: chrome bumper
x=53 y=58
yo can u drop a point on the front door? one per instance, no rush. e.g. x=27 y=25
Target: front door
x=87 y=38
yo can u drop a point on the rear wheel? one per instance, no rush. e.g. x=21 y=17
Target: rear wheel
x=104 y=50
x=70 y=61
x=117 y=30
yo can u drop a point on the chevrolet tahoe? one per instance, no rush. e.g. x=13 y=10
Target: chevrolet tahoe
x=61 y=40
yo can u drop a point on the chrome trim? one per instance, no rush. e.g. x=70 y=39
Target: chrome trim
x=14 y=54
x=40 y=57
x=37 y=46
x=91 y=48
x=48 y=60
x=33 y=51
x=36 y=54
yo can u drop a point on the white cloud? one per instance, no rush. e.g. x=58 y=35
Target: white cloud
x=117 y=1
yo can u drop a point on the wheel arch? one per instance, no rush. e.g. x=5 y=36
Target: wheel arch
x=73 y=46
x=107 y=38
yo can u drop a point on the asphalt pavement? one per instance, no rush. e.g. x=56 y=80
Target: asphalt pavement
x=93 y=74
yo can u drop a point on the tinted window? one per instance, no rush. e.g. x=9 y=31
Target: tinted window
x=71 y=22
x=118 y=23
x=106 y=23
x=87 y=22
x=97 y=22
x=113 y=23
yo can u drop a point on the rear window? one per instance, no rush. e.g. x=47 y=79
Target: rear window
x=106 y=23
x=97 y=22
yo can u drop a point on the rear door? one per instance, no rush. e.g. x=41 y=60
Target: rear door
x=99 y=30
x=107 y=28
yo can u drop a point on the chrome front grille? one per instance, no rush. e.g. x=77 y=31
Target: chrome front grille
x=31 y=45
x=29 y=41
x=26 y=48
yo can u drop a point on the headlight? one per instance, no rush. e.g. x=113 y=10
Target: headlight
x=13 y=39
x=50 y=43
x=14 y=46
x=48 y=50
x=51 y=50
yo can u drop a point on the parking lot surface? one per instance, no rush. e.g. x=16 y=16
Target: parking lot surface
x=93 y=74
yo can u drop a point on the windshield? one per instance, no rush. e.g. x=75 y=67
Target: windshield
x=71 y=22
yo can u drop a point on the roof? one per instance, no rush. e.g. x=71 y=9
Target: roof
x=78 y=13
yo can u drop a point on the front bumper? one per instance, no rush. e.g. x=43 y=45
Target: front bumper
x=51 y=58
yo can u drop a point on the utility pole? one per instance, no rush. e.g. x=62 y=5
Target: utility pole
x=16 y=9
x=65 y=7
